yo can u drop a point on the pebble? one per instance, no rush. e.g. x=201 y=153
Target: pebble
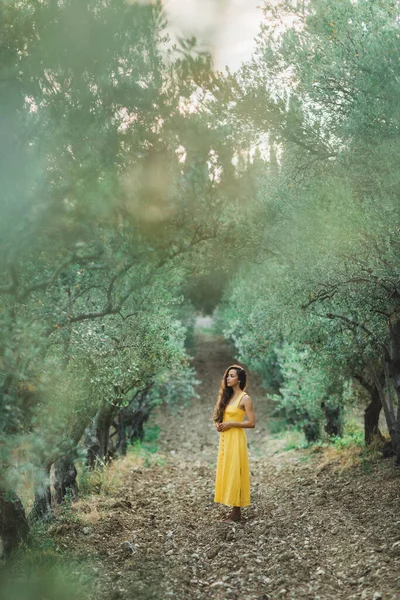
x=219 y=584
x=127 y=548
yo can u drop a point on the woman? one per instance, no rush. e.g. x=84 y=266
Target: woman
x=232 y=483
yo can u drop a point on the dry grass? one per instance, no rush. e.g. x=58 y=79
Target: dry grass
x=339 y=458
x=103 y=480
x=349 y=456
x=99 y=486
x=87 y=510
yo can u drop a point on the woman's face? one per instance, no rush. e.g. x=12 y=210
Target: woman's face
x=232 y=377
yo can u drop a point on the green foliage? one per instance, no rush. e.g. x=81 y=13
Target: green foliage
x=147 y=453
x=66 y=511
x=42 y=570
x=353 y=435
x=277 y=425
x=349 y=439
x=176 y=387
x=151 y=433
x=205 y=292
x=115 y=191
x=295 y=440
x=321 y=89
x=302 y=389
x=40 y=583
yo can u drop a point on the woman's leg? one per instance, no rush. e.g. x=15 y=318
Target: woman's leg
x=235 y=513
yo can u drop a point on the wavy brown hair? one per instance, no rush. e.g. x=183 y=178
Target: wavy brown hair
x=226 y=393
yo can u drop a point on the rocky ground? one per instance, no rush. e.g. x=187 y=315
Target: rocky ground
x=313 y=530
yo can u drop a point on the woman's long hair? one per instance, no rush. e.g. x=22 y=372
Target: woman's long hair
x=226 y=392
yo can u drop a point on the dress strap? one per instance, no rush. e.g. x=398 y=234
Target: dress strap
x=240 y=398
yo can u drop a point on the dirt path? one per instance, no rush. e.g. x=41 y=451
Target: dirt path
x=310 y=532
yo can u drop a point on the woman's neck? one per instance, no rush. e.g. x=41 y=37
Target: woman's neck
x=236 y=391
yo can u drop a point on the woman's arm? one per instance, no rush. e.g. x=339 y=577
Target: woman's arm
x=251 y=418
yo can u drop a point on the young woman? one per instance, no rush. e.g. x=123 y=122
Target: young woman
x=232 y=482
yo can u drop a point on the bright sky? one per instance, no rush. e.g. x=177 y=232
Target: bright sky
x=228 y=27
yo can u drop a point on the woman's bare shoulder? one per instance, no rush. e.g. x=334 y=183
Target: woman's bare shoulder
x=246 y=400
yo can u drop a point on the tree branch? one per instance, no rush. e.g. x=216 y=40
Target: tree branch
x=353 y=324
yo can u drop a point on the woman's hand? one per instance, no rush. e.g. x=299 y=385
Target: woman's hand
x=223 y=426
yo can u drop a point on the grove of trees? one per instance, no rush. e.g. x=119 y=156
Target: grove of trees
x=319 y=316
x=134 y=176
x=114 y=194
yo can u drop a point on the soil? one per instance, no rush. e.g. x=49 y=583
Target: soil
x=313 y=530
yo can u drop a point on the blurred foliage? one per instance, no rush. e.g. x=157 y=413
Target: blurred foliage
x=118 y=186
x=205 y=292
x=42 y=570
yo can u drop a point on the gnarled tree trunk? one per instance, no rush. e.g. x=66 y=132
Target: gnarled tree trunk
x=14 y=527
x=139 y=418
x=393 y=370
x=373 y=410
x=103 y=423
x=371 y=418
x=65 y=478
x=42 y=510
x=122 y=444
x=333 y=419
x=92 y=446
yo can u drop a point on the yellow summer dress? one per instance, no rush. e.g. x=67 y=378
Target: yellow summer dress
x=232 y=482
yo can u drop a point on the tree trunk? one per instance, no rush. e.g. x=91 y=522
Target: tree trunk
x=65 y=478
x=14 y=527
x=394 y=371
x=396 y=433
x=385 y=405
x=371 y=418
x=103 y=422
x=92 y=446
x=137 y=424
x=42 y=507
x=333 y=419
x=42 y=510
x=373 y=410
x=122 y=441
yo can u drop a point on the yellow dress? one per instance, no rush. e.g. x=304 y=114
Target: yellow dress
x=232 y=482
